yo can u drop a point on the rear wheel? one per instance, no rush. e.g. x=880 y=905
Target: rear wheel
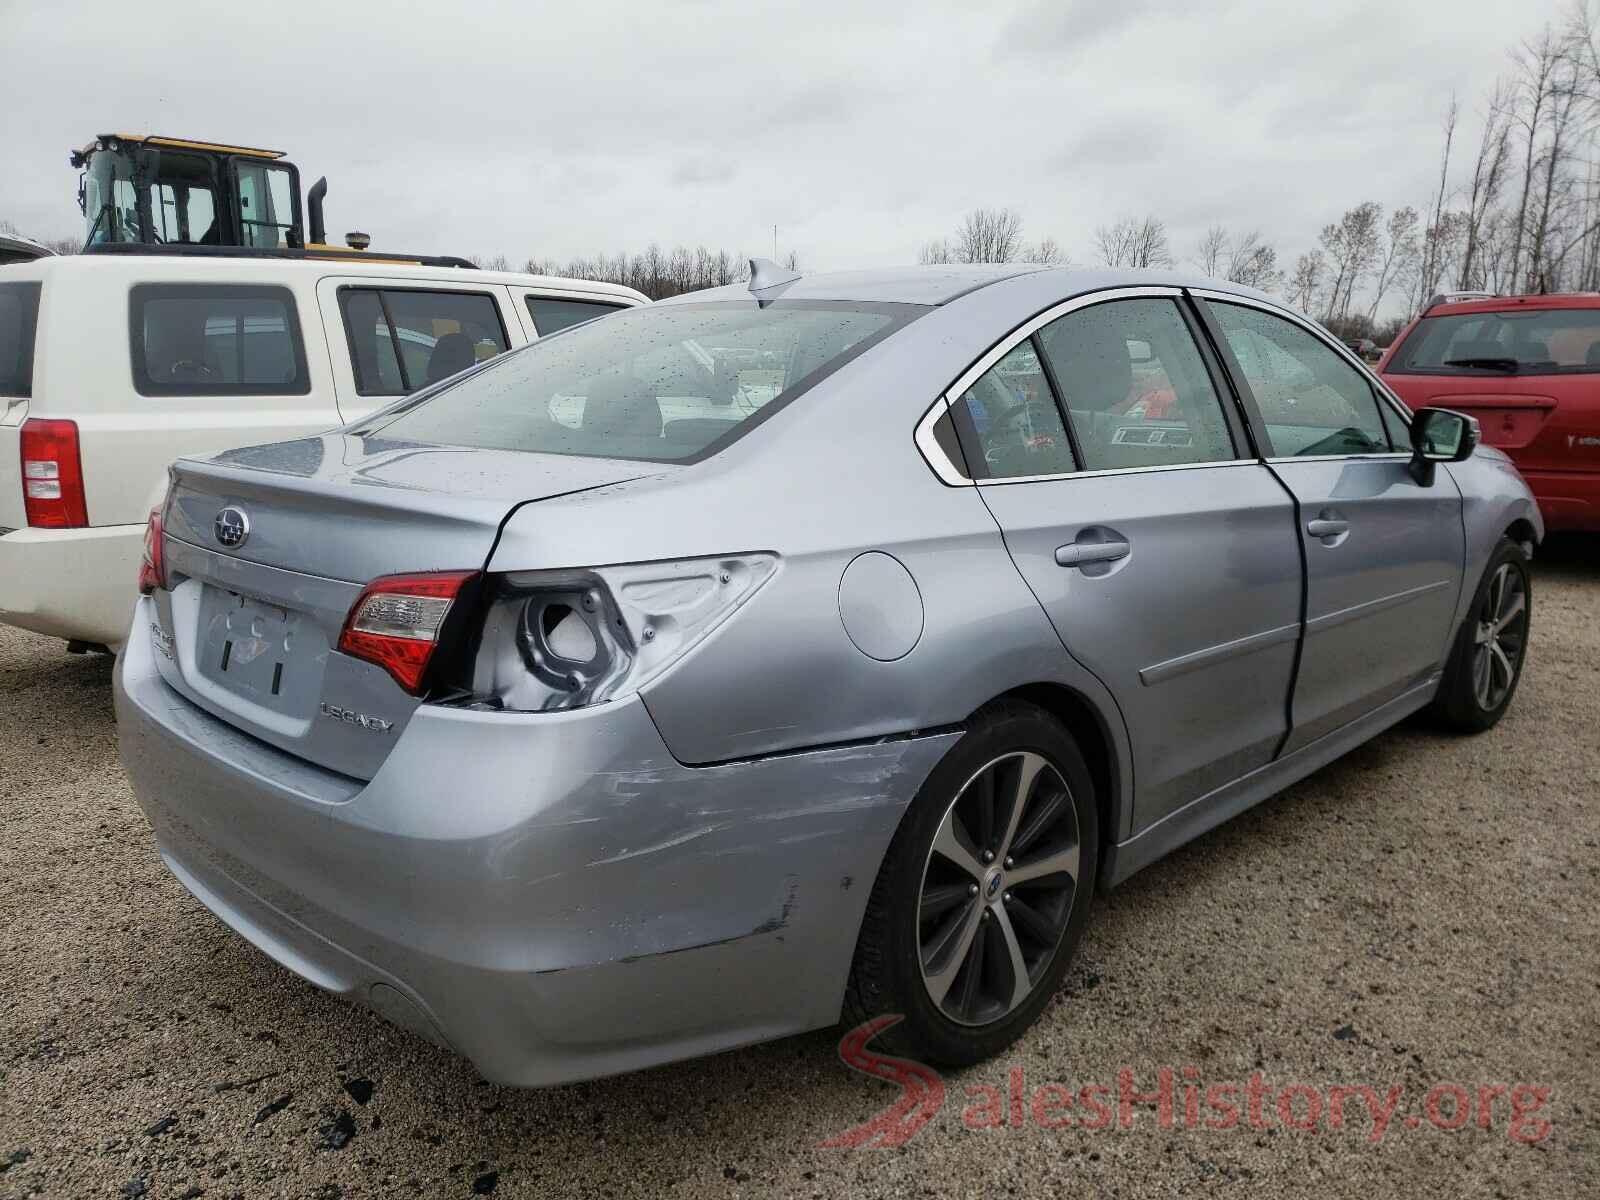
x=1485 y=663
x=984 y=893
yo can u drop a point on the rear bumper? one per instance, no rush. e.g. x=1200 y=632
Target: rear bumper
x=71 y=583
x=553 y=896
x=1569 y=500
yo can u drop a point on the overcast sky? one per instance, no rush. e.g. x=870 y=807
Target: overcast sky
x=860 y=129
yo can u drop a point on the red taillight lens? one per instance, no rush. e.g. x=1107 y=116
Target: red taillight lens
x=52 y=475
x=152 y=567
x=396 y=622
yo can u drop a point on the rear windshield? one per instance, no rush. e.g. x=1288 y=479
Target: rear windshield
x=1551 y=341
x=662 y=384
x=19 y=314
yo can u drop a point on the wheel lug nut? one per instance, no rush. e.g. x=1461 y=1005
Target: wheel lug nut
x=988 y=856
x=985 y=914
x=1010 y=862
x=1008 y=897
x=972 y=889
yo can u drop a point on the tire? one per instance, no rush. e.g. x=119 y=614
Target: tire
x=980 y=1012
x=1464 y=703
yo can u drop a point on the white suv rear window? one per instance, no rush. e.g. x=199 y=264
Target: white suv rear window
x=216 y=340
x=19 y=315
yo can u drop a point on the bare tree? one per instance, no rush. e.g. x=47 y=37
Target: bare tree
x=1428 y=265
x=1306 y=283
x=1133 y=242
x=937 y=253
x=1046 y=252
x=1213 y=251
x=989 y=235
x=1252 y=262
x=1536 y=66
x=1488 y=171
x=1351 y=245
x=1400 y=247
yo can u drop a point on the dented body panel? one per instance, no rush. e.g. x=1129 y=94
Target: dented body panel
x=613 y=910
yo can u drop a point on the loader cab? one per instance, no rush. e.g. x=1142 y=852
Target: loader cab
x=171 y=191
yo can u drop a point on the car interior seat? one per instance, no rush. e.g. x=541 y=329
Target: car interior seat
x=451 y=353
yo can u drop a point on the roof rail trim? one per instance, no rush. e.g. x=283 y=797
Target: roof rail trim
x=330 y=253
x=1455 y=297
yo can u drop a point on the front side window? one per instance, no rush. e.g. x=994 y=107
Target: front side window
x=653 y=383
x=19 y=316
x=1312 y=401
x=1010 y=421
x=1135 y=387
x=1552 y=341
x=405 y=339
x=551 y=313
x=216 y=340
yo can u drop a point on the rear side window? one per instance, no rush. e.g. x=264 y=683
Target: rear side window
x=550 y=313
x=216 y=340
x=1012 y=423
x=19 y=317
x=1555 y=341
x=402 y=339
x=1135 y=387
x=1312 y=401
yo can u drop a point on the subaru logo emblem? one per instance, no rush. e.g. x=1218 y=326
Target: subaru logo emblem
x=232 y=527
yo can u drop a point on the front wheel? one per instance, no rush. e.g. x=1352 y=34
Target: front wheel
x=984 y=892
x=1485 y=663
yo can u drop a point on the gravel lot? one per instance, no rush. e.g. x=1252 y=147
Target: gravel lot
x=1425 y=912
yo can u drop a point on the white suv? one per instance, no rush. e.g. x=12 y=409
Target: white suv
x=111 y=366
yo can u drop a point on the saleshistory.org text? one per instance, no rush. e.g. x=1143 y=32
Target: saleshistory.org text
x=1184 y=1098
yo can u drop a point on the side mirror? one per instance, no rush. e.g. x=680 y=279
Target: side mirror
x=1440 y=435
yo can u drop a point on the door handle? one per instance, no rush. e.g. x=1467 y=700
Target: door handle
x=1076 y=554
x=1326 y=527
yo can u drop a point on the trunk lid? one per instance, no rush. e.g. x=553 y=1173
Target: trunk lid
x=248 y=627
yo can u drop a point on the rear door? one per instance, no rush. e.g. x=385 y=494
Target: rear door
x=1383 y=554
x=1162 y=550
x=389 y=337
x=214 y=366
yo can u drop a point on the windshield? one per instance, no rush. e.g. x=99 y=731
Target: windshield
x=149 y=196
x=663 y=384
x=1549 y=341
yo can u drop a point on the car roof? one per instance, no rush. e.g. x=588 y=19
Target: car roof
x=214 y=268
x=1492 y=304
x=935 y=285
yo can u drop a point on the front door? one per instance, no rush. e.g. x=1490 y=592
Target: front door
x=1383 y=554
x=1164 y=556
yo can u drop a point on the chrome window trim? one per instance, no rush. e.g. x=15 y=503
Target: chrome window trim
x=1029 y=327
x=1191 y=466
x=949 y=474
x=928 y=446
x=1323 y=336
x=1386 y=456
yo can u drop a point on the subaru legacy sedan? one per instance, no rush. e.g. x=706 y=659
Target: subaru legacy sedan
x=724 y=668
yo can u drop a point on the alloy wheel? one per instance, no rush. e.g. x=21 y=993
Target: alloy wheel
x=997 y=888
x=1500 y=637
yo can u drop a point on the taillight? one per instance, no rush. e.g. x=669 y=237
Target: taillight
x=396 y=622
x=152 y=567
x=52 y=475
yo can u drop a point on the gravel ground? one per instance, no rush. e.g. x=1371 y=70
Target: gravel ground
x=1422 y=913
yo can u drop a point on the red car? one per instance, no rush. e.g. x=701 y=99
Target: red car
x=1528 y=367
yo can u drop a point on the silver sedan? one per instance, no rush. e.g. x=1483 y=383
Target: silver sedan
x=809 y=650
